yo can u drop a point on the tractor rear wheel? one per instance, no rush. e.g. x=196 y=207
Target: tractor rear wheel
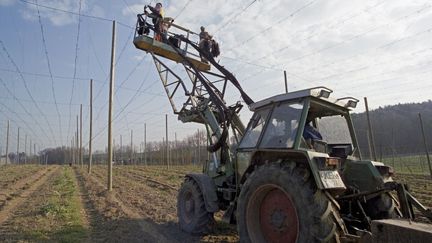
x=280 y=203
x=191 y=211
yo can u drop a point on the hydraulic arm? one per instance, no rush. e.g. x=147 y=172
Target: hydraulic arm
x=204 y=96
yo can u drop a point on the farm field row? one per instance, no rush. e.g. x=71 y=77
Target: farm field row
x=66 y=204
x=150 y=196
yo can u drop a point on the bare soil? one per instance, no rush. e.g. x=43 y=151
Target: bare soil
x=17 y=193
x=143 y=200
x=140 y=208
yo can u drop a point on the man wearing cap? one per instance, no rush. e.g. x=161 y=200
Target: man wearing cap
x=157 y=15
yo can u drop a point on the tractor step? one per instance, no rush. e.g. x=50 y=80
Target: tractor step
x=398 y=230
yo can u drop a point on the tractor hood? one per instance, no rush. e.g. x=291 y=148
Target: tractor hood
x=366 y=175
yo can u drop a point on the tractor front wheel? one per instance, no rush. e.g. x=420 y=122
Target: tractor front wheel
x=191 y=211
x=280 y=203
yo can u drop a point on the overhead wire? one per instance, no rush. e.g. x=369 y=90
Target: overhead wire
x=12 y=134
x=374 y=64
x=127 y=78
x=121 y=84
x=22 y=107
x=367 y=9
x=115 y=64
x=75 y=67
x=236 y=15
x=70 y=78
x=366 y=67
x=331 y=25
x=81 y=15
x=46 y=102
x=23 y=113
x=41 y=74
x=351 y=81
x=260 y=33
x=49 y=69
x=26 y=87
x=127 y=5
x=129 y=102
x=278 y=51
x=275 y=66
x=181 y=11
x=75 y=13
x=121 y=110
x=65 y=11
x=386 y=45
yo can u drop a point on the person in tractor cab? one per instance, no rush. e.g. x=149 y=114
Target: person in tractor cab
x=311 y=134
x=157 y=15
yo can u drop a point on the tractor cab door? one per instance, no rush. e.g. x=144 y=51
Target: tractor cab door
x=275 y=126
x=329 y=130
x=282 y=127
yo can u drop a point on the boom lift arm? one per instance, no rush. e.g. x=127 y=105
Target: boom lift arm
x=204 y=101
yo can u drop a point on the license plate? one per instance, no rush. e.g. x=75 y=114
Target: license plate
x=331 y=179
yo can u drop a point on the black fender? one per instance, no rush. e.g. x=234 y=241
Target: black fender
x=262 y=157
x=208 y=189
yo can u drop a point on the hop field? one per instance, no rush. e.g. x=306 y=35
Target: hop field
x=65 y=204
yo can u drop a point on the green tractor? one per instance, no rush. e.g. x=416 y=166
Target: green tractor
x=284 y=185
x=294 y=174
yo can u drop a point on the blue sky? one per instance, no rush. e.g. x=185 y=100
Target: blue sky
x=379 y=49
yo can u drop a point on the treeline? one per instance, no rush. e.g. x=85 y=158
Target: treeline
x=191 y=150
x=396 y=129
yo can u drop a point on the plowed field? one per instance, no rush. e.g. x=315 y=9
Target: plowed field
x=65 y=204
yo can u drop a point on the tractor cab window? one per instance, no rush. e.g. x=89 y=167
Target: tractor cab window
x=282 y=127
x=328 y=134
x=334 y=130
x=254 y=129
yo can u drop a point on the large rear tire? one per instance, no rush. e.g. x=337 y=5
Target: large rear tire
x=191 y=211
x=280 y=203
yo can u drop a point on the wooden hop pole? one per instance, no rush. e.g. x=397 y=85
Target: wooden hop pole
x=7 y=142
x=110 y=109
x=80 y=139
x=425 y=144
x=91 y=127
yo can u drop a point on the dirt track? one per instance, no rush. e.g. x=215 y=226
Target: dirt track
x=141 y=207
x=17 y=193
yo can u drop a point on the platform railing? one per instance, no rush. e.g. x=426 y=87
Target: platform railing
x=185 y=32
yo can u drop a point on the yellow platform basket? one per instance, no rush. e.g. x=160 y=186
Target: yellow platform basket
x=148 y=44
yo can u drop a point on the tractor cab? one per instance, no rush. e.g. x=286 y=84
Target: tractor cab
x=307 y=120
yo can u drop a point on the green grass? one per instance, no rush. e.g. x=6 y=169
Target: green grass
x=412 y=164
x=62 y=211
